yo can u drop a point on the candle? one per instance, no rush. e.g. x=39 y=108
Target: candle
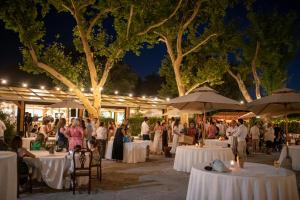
x=232 y=163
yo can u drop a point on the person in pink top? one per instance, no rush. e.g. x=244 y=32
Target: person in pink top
x=75 y=133
x=212 y=130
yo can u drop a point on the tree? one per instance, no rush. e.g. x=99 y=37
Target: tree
x=261 y=51
x=195 y=24
x=98 y=45
x=149 y=85
x=121 y=78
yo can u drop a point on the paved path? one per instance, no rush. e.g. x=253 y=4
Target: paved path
x=155 y=180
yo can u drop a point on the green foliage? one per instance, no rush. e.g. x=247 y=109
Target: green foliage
x=121 y=78
x=293 y=125
x=136 y=122
x=9 y=133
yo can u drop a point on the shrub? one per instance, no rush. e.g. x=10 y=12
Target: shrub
x=135 y=123
x=10 y=132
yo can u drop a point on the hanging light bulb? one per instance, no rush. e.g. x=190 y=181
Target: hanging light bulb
x=42 y=87
x=24 y=84
x=116 y=92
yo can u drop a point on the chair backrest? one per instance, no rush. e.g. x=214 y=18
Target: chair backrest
x=31 y=143
x=82 y=159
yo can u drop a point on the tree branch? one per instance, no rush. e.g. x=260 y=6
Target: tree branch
x=63 y=79
x=94 y=20
x=161 y=22
x=169 y=46
x=86 y=48
x=195 y=12
x=69 y=9
x=129 y=21
x=195 y=86
x=254 y=71
x=200 y=44
x=241 y=85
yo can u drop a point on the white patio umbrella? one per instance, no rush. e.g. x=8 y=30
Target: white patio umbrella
x=174 y=112
x=203 y=99
x=284 y=101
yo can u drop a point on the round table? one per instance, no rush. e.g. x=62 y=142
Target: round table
x=133 y=152
x=216 y=142
x=294 y=152
x=53 y=168
x=255 y=182
x=188 y=156
x=26 y=141
x=8 y=174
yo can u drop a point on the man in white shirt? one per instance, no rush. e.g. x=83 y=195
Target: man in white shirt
x=2 y=129
x=101 y=137
x=231 y=131
x=254 y=132
x=145 y=130
x=241 y=135
x=269 y=137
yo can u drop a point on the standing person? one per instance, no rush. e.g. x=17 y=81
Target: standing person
x=269 y=137
x=75 y=134
x=241 y=135
x=2 y=129
x=145 y=130
x=222 y=128
x=94 y=125
x=230 y=133
x=44 y=128
x=117 y=151
x=157 y=142
x=254 y=132
x=185 y=129
x=28 y=123
x=212 y=130
x=111 y=129
x=89 y=129
x=62 y=140
x=164 y=136
x=172 y=125
x=176 y=134
x=192 y=131
x=101 y=137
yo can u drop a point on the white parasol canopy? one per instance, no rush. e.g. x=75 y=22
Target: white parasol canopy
x=67 y=104
x=205 y=98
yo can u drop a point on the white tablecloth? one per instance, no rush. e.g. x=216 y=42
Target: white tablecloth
x=8 y=175
x=255 y=182
x=26 y=141
x=133 y=152
x=294 y=152
x=52 y=167
x=188 y=156
x=216 y=142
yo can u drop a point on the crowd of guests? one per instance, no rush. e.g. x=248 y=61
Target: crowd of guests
x=243 y=138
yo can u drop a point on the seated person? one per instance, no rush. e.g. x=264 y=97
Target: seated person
x=16 y=145
x=34 y=131
x=92 y=145
x=39 y=142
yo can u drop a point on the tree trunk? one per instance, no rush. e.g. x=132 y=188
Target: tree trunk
x=241 y=85
x=180 y=85
x=254 y=72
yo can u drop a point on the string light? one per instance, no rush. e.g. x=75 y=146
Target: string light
x=92 y=89
x=3 y=81
x=24 y=84
x=116 y=92
x=168 y=99
x=155 y=99
x=71 y=89
x=130 y=95
x=242 y=102
x=42 y=87
x=57 y=88
x=82 y=89
x=144 y=97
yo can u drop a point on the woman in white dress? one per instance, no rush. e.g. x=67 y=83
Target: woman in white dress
x=157 y=142
x=176 y=134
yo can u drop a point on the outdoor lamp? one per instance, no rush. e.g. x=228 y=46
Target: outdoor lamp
x=24 y=85
x=3 y=81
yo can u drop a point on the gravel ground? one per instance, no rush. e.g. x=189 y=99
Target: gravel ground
x=154 y=179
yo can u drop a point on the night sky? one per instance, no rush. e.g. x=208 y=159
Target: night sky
x=147 y=63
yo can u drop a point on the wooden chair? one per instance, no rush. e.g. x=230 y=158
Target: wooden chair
x=82 y=159
x=97 y=164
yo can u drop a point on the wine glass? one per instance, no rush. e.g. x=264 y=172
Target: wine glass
x=277 y=166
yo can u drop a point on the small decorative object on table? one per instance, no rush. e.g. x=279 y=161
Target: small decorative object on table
x=221 y=138
x=240 y=161
x=201 y=143
x=51 y=149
